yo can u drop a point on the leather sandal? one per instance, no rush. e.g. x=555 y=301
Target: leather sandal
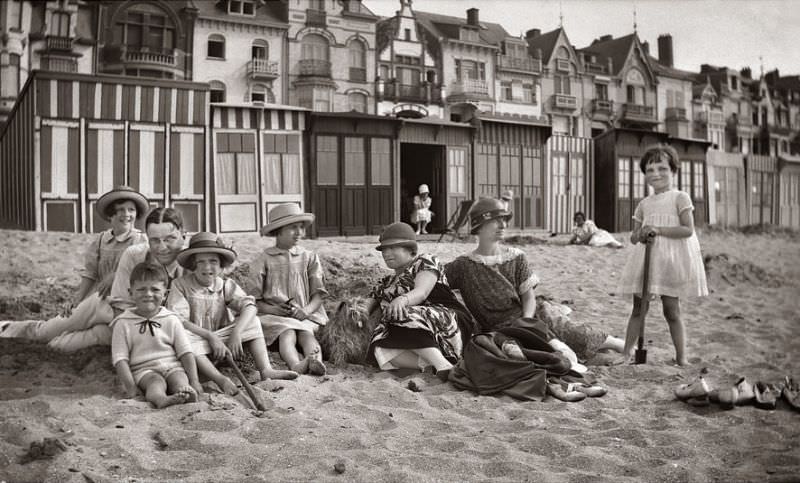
x=766 y=395
x=564 y=393
x=791 y=393
x=746 y=393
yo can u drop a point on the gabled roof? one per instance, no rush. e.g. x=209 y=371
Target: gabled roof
x=448 y=27
x=546 y=43
x=791 y=82
x=615 y=49
x=700 y=88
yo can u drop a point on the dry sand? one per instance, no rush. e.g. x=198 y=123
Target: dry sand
x=376 y=429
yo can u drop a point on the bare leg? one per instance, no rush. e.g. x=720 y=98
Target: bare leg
x=287 y=343
x=613 y=343
x=419 y=227
x=207 y=369
x=424 y=226
x=155 y=391
x=407 y=359
x=634 y=327
x=178 y=383
x=672 y=312
x=258 y=348
x=313 y=353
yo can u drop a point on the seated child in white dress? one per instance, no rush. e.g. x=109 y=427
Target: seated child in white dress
x=149 y=348
x=219 y=315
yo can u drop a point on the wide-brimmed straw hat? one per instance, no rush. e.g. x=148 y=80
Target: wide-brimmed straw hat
x=486 y=209
x=507 y=195
x=398 y=235
x=423 y=188
x=283 y=215
x=122 y=193
x=205 y=242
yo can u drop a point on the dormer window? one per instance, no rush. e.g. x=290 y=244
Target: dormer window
x=469 y=35
x=59 y=24
x=242 y=7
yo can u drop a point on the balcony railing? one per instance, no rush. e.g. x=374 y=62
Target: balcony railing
x=678 y=113
x=521 y=64
x=593 y=68
x=602 y=106
x=161 y=59
x=59 y=64
x=562 y=65
x=638 y=112
x=714 y=117
x=262 y=68
x=469 y=87
x=358 y=74
x=315 y=68
x=565 y=101
x=422 y=93
x=55 y=42
x=315 y=18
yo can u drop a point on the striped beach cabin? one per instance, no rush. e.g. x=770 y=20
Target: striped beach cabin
x=72 y=137
x=570 y=174
x=761 y=173
x=257 y=155
x=789 y=191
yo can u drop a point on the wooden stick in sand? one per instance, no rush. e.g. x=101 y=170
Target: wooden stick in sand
x=256 y=398
x=640 y=357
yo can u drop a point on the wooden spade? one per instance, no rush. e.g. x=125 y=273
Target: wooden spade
x=640 y=356
x=258 y=400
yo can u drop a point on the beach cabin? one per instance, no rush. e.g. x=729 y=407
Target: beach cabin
x=692 y=174
x=727 y=189
x=352 y=172
x=789 y=191
x=438 y=153
x=761 y=174
x=72 y=137
x=570 y=186
x=258 y=162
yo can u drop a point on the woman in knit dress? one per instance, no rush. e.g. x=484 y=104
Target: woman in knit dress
x=497 y=284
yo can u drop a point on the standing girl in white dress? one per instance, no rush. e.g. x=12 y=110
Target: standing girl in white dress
x=676 y=264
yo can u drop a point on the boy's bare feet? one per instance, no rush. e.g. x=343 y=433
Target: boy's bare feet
x=280 y=374
x=315 y=366
x=177 y=398
x=188 y=392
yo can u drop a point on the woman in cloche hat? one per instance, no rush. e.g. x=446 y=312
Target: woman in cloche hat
x=497 y=284
x=422 y=321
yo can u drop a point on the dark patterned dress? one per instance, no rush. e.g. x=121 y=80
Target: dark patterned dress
x=427 y=325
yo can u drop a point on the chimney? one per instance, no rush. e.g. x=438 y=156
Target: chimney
x=532 y=33
x=603 y=38
x=472 y=17
x=646 y=47
x=747 y=73
x=665 y=50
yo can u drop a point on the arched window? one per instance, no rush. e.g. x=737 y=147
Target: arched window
x=145 y=25
x=217 y=91
x=261 y=93
x=314 y=46
x=216 y=46
x=260 y=50
x=562 y=53
x=357 y=101
x=358 y=60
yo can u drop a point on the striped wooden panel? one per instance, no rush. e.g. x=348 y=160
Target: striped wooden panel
x=757 y=162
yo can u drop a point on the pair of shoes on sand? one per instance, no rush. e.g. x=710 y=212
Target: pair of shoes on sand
x=760 y=394
x=574 y=391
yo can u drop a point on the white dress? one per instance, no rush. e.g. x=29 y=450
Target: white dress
x=597 y=236
x=676 y=264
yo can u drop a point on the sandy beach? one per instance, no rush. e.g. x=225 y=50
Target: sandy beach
x=357 y=424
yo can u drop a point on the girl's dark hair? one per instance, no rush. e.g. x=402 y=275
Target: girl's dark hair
x=149 y=272
x=191 y=262
x=164 y=215
x=579 y=213
x=660 y=152
x=112 y=208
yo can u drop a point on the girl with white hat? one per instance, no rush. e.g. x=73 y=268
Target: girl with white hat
x=422 y=213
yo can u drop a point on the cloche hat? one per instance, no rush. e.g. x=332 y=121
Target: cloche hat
x=423 y=188
x=398 y=234
x=486 y=209
x=205 y=242
x=122 y=193
x=507 y=195
x=283 y=215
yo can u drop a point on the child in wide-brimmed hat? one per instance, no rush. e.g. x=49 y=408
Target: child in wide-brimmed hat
x=121 y=207
x=206 y=303
x=292 y=290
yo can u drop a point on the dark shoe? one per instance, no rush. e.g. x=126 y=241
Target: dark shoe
x=766 y=395
x=444 y=375
x=791 y=393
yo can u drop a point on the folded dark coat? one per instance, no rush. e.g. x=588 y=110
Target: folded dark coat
x=486 y=370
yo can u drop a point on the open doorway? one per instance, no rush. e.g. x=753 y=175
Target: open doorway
x=423 y=164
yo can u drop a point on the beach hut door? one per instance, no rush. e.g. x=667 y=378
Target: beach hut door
x=236 y=180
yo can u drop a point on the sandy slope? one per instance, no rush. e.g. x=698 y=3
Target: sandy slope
x=380 y=430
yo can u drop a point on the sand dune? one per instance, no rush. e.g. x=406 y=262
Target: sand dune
x=377 y=429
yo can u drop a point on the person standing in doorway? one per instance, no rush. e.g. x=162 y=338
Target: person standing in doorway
x=422 y=213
